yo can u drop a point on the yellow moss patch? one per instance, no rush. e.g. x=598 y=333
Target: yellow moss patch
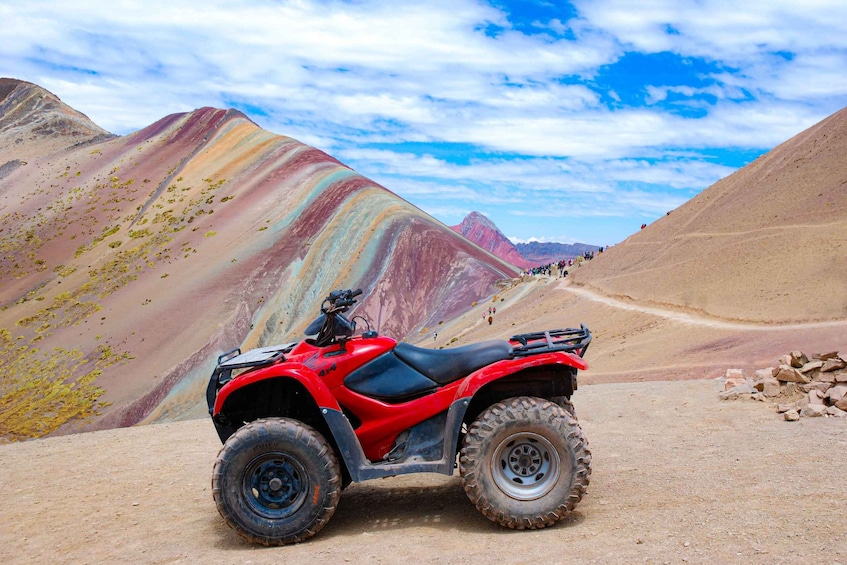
x=44 y=391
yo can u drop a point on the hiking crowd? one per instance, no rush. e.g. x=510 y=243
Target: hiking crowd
x=559 y=268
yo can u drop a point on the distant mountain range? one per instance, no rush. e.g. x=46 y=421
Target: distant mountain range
x=542 y=253
x=482 y=231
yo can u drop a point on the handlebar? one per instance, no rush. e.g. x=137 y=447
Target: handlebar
x=340 y=300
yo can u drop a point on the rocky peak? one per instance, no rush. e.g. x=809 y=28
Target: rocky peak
x=477 y=222
x=482 y=231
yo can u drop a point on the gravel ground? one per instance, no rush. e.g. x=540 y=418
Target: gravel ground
x=678 y=477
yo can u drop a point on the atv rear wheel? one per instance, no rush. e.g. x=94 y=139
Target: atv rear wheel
x=276 y=481
x=565 y=403
x=525 y=463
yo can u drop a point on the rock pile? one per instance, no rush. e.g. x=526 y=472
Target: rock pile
x=799 y=386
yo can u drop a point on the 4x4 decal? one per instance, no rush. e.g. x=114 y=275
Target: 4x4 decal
x=326 y=370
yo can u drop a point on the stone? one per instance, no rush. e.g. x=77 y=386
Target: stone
x=798 y=359
x=744 y=389
x=769 y=387
x=836 y=393
x=734 y=374
x=837 y=412
x=792 y=415
x=784 y=360
x=840 y=376
x=816 y=397
x=813 y=410
x=816 y=375
x=811 y=365
x=790 y=389
x=789 y=374
x=783 y=408
x=825 y=356
x=841 y=404
x=833 y=364
x=821 y=386
x=766 y=373
x=732 y=382
x=730 y=394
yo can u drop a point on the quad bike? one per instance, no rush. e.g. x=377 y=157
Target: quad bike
x=299 y=422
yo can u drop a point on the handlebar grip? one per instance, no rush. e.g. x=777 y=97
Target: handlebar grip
x=343 y=297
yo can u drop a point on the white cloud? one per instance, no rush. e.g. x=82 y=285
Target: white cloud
x=532 y=107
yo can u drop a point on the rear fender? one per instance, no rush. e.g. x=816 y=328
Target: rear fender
x=495 y=371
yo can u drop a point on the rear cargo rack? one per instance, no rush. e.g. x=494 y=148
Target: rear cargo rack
x=572 y=340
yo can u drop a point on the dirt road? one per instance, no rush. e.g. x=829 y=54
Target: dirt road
x=679 y=477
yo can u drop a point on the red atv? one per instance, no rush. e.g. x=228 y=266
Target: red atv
x=301 y=421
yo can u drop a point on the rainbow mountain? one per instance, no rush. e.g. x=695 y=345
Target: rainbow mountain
x=129 y=263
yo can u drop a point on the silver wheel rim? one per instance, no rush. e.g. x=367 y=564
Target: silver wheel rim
x=525 y=466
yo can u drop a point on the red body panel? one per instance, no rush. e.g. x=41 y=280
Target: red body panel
x=318 y=369
x=473 y=382
x=322 y=372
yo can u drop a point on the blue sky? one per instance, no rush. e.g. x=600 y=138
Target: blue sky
x=570 y=122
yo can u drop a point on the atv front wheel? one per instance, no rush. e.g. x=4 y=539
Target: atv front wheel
x=276 y=481
x=525 y=463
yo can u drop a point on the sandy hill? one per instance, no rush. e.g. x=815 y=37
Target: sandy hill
x=146 y=256
x=766 y=244
x=753 y=267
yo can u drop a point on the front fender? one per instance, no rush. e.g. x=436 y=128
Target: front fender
x=296 y=371
x=482 y=377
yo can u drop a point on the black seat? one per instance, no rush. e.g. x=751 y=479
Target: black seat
x=447 y=365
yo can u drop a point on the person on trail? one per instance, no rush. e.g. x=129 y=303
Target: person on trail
x=490 y=319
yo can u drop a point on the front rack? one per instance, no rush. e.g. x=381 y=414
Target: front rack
x=572 y=340
x=235 y=360
x=253 y=358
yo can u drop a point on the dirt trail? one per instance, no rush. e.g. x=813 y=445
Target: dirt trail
x=461 y=325
x=638 y=342
x=688 y=318
x=679 y=477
